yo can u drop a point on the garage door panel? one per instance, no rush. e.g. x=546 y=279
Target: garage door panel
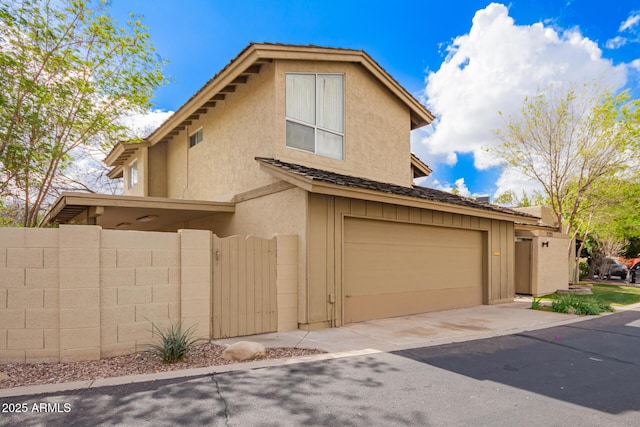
x=367 y=231
x=402 y=265
x=367 y=307
x=393 y=269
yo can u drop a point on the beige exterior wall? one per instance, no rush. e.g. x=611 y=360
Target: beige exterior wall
x=234 y=132
x=325 y=235
x=549 y=264
x=157 y=170
x=250 y=123
x=377 y=126
x=81 y=293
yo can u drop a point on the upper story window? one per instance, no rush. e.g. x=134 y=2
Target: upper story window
x=315 y=113
x=195 y=138
x=133 y=174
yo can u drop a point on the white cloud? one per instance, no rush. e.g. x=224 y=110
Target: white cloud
x=513 y=180
x=459 y=186
x=88 y=170
x=142 y=124
x=616 y=42
x=631 y=22
x=492 y=69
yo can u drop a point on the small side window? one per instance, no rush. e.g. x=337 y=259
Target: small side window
x=133 y=174
x=195 y=138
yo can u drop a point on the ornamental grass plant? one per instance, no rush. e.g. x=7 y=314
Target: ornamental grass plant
x=173 y=342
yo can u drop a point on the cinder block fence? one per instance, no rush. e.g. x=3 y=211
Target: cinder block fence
x=80 y=292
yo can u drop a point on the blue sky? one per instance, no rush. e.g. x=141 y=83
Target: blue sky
x=466 y=60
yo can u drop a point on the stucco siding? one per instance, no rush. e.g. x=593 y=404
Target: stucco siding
x=235 y=131
x=549 y=263
x=156 y=170
x=377 y=126
x=250 y=123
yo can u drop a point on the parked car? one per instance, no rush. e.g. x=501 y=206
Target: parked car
x=634 y=272
x=613 y=267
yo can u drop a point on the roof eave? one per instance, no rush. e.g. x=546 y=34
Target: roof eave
x=321 y=187
x=420 y=166
x=122 y=151
x=245 y=59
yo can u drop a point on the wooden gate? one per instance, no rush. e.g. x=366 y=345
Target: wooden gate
x=523 y=267
x=244 y=286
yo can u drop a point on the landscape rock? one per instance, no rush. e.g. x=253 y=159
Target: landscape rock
x=244 y=350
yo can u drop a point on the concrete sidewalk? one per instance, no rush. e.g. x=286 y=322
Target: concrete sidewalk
x=420 y=330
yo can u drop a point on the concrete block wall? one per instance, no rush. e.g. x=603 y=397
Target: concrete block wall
x=79 y=293
x=140 y=287
x=195 y=278
x=83 y=293
x=29 y=295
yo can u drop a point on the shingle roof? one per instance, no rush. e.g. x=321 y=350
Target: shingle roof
x=368 y=184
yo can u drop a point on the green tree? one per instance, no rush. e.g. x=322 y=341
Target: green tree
x=569 y=140
x=511 y=198
x=69 y=72
x=609 y=217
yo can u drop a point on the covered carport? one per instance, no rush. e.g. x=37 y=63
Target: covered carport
x=132 y=212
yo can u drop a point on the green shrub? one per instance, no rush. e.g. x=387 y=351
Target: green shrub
x=562 y=303
x=579 y=304
x=173 y=343
x=536 y=304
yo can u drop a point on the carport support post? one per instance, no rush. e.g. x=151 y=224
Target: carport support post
x=195 y=281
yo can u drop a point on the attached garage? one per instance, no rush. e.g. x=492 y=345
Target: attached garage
x=376 y=250
x=394 y=268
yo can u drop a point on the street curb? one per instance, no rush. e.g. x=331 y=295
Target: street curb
x=185 y=374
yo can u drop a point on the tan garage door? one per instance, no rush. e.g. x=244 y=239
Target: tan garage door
x=394 y=269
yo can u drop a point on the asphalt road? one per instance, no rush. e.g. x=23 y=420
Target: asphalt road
x=582 y=374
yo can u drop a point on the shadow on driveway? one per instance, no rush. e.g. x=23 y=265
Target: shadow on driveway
x=595 y=363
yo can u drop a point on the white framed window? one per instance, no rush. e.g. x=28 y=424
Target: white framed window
x=133 y=173
x=315 y=113
x=195 y=138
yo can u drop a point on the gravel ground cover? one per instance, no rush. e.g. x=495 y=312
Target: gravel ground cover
x=203 y=355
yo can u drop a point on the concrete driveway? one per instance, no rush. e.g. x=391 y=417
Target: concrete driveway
x=420 y=330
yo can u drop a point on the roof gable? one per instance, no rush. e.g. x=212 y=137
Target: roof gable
x=249 y=61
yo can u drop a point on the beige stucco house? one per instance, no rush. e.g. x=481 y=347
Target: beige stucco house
x=314 y=142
